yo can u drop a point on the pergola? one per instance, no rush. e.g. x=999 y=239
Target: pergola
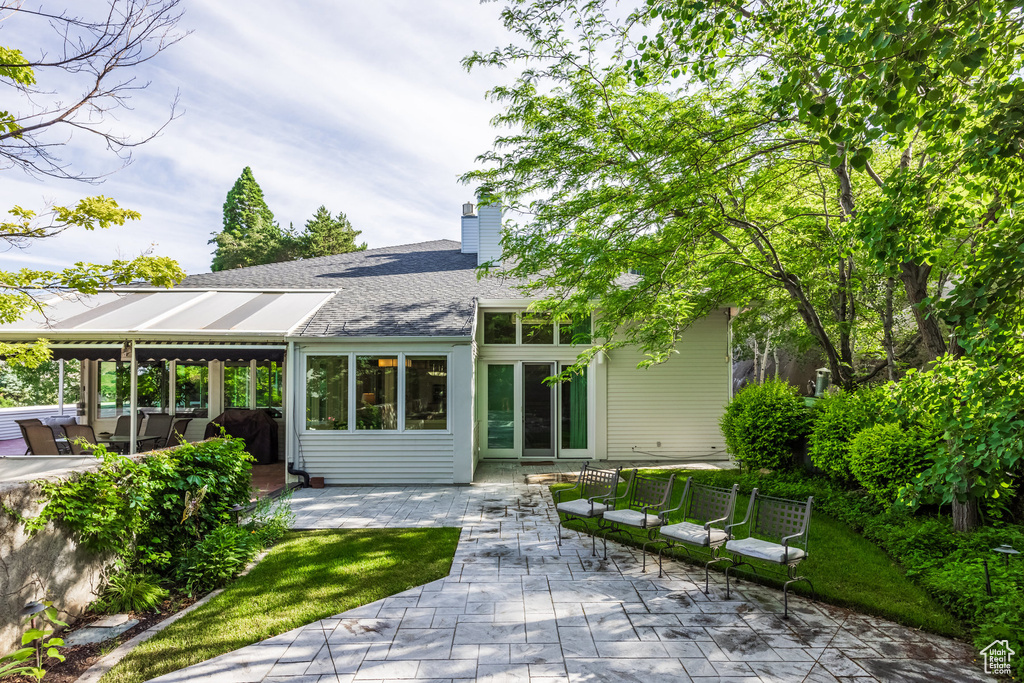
x=138 y=325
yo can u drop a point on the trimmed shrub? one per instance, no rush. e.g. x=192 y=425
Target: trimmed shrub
x=218 y=557
x=837 y=419
x=886 y=457
x=763 y=425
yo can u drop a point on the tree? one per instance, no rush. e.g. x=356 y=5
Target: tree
x=250 y=235
x=24 y=386
x=48 y=106
x=325 y=236
x=75 y=88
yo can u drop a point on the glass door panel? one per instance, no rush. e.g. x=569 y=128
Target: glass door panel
x=538 y=410
x=500 y=406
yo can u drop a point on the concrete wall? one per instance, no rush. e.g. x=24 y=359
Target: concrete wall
x=47 y=565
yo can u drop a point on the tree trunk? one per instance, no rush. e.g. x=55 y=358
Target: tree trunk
x=890 y=352
x=840 y=373
x=965 y=515
x=915 y=281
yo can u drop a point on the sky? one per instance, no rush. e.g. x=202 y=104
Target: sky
x=362 y=107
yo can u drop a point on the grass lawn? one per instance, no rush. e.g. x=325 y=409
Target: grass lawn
x=308 y=576
x=846 y=568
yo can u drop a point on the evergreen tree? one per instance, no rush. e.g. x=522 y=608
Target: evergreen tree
x=250 y=235
x=325 y=235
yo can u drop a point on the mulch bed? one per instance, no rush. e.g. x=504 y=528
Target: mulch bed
x=79 y=658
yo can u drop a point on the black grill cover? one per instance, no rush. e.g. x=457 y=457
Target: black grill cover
x=256 y=427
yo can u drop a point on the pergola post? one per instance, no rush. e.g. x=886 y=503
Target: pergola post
x=60 y=386
x=133 y=401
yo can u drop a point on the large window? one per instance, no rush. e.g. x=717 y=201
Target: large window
x=500 y=406
x=269 y=384
x=391 y=392
x=327 y=392
x=376 y=392
x=192 y=388
x=426 y=392
x=237 y=384
x=538 y=329
x=499 y=328
x=114 y=388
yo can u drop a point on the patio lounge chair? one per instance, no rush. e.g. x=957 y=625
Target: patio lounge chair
x=77 y=433
x=593 y=487
x=159 y=425
x=786 y=520
x=22 y=424
x=645 y=501
x=40 y=440
x=177 y=435
x=703 y=507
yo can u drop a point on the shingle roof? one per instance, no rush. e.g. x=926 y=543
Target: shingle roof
x=425 y=289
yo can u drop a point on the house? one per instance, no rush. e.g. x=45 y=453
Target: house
x=392 y=365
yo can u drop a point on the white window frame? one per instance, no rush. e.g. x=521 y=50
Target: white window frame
x=400 y=397
x=519 y=313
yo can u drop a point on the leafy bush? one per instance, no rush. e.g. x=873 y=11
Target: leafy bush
x=222 y=466
x=131 y=592
x=763 y=424
x=218 y=557
x=886 y=457
x=837 y=419
x=271 y=518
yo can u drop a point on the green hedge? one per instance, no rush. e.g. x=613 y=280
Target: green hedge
x=885 y=458
x=838 y=416
x=764 y=424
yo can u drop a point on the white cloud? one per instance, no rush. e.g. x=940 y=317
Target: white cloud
x=361 y=106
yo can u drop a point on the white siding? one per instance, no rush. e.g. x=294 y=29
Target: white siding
x=489 y=240
x=366 y=458
x=677 y=403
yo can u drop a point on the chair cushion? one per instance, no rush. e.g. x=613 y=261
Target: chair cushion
x=764 y=550
x=632 y=518
x=694 y=534
x=581 y=508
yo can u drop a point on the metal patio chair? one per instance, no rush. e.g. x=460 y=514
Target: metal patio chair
x=158 y=425
x=76 y=434
x=646 y=500
x=593 y=486
x=786 y=522
x=40 y=440
x=703 y=507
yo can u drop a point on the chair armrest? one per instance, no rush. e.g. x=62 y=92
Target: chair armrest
x=558 y=494
x=707 y=524
x=746 y=518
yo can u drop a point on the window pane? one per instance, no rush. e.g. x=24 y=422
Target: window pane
x=426 y=392
x=269 y=385
x=192 y=389
x=575 y=331
x=500 y=406
x=236 y=384
x=538 y=329
x=376 y=392
x=499 y=328
x=574 y=411
x=327 y=392
x=114 y=390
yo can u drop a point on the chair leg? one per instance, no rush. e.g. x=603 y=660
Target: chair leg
x=644 y=551
x=732 y=566
x=558 y=532
x=707 y=573
x=785 y=591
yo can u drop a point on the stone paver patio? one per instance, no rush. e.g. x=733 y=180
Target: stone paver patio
x=517 y=607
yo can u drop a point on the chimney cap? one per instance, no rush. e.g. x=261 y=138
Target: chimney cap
x=467 y=209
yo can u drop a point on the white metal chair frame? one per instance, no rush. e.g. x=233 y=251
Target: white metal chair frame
x=643 y=494
x=704 y=505
x=777 y=518
x=593 y=485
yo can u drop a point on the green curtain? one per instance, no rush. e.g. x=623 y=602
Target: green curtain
x=578 y=411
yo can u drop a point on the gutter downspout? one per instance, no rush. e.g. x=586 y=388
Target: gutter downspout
x=293 y=466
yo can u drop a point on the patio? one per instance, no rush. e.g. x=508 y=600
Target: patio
x=516 y=607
